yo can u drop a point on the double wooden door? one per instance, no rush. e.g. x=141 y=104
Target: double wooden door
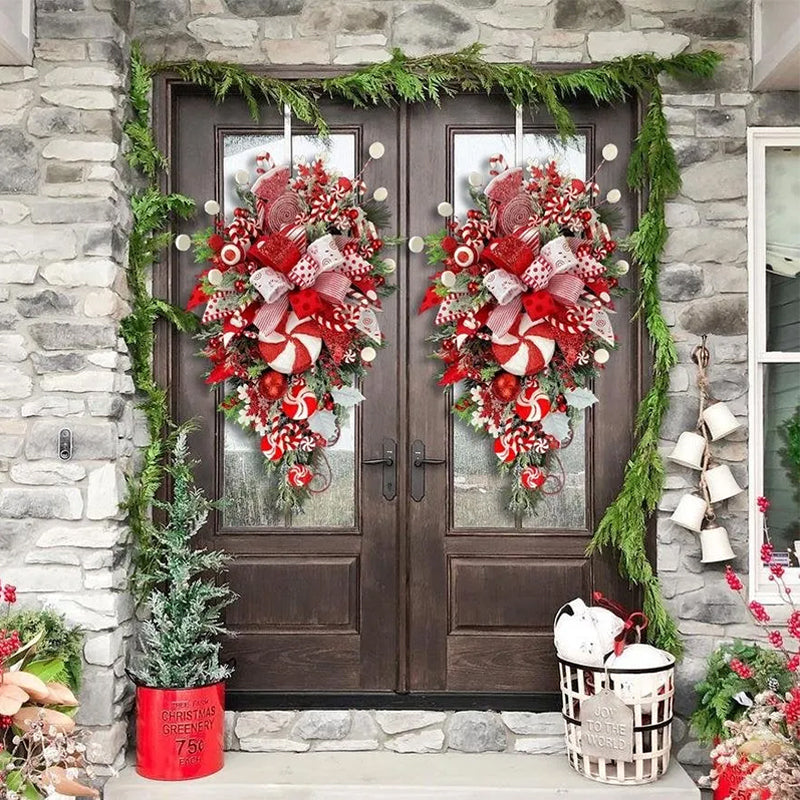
x=410 y=577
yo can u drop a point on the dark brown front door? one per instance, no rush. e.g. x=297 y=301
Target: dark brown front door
x=431 y=587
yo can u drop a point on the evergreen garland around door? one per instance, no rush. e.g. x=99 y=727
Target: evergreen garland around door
x=652 y=170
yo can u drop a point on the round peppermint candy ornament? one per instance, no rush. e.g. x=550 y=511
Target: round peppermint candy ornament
x=532 y=478
x=300 y=402
x=299 y=475
x=293 y=347
x=523 y=349
x=532 y=404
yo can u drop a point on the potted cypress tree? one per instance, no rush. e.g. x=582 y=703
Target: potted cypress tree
x=180 y=681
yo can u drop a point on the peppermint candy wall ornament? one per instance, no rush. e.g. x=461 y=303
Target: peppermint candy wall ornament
x=292 y=292
x=522 y=299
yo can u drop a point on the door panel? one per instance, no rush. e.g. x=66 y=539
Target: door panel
x=494 y=629
x=318 y=592
x=362 y=594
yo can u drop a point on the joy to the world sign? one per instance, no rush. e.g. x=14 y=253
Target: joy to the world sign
x=606 y=727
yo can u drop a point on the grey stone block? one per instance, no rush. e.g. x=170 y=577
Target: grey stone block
x=46 y=303
x=476 y=732
x=91 y=440
x=588 y=14
x=50 y=503
x=724 y=315
x=429 y=26
x=322 y=725
x=20 y=164
x=73 y=335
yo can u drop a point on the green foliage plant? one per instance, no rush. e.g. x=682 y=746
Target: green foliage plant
x=180 y=637
x=790 y=452
x=653 y=171
x=56 y=643
x=719 y=688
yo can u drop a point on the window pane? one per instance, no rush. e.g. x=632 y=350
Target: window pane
x=781 y=483
x=783 y=248
x=480 y=493
x=249 y=489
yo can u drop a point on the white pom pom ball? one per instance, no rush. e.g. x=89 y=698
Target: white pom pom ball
x=602 y=355
x=380 y=194
x=389 y=265
x=610 y=152
x=416 y=244
x=614 y=196
x=242 y=177
x=475 y=179
x=368 y=354
x=623 y=267
x=211 y=208
x=444 y=209
x=376 y=150
x=214 y=277
x=448 y=278
x=183 y=242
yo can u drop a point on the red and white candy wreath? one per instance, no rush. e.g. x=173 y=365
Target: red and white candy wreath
x=291 y=302
x=522 y=300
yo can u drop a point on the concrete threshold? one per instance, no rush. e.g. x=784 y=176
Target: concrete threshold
x=392 y=776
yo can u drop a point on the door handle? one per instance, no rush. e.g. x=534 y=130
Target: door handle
x=387 y=460
x=418 y=463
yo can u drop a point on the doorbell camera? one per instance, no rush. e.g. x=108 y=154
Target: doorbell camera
x=65 y=444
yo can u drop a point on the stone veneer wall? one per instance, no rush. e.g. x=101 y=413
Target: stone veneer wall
x=398 y=731
x=63 y=219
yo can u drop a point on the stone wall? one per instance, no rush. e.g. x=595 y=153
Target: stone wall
x=63 y=221
x=398 y=731
x=63 y=218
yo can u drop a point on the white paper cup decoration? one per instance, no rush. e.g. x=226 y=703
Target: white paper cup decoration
x=720 y=420
x=721 y=483
x=183 y=242
x=242 y=177
x=376 y=150
x=610 y=152
x=380 y=194
x=690 y=512
x=444 y=209
x=614 y=196
x=416 y=244
x=389 y=265
x=715 y=545
x=211 y=207
x=688 y=451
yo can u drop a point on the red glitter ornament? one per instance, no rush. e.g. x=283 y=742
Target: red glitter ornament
x=505 y=387
x=272 y=385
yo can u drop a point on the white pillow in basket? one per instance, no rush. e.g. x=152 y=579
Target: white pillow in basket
x=585 y=635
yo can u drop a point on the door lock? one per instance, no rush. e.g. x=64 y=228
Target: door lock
x=418 y=464
x=388 y=461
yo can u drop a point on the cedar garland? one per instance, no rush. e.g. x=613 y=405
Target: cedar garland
x=653 y=171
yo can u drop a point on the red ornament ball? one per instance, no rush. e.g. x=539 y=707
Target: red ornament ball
x=299 y=475
x=215 y=242
x=272 y=385
x=505 y=387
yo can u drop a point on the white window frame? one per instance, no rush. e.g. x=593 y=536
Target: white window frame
x=758 y=140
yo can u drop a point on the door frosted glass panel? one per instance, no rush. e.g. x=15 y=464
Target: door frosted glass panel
x=480 y=492
x=249 y=488
x=783 y=249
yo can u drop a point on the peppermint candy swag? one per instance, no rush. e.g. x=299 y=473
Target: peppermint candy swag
x=291 y=297
x=522 y=314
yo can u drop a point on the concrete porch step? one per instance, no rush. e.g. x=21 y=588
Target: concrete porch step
x=390 y=776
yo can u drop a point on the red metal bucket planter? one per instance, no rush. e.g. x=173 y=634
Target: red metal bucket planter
x=179 y=732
